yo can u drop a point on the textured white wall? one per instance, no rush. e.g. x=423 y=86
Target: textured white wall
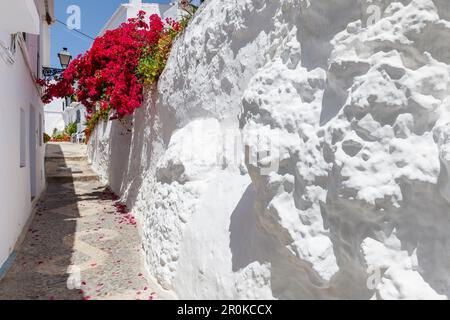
x=362 y=186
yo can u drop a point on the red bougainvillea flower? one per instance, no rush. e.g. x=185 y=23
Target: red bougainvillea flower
x=106 y=76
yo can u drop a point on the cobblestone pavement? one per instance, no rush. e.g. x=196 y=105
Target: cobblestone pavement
x=82 y=243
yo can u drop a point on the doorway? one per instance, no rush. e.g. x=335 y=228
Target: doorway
x=33 y=151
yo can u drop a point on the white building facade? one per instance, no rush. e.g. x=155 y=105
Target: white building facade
x=76 y=113
x=24 y=49
x=131 y=10
x=54 y=116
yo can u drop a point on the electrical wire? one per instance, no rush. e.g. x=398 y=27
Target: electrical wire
x=75 y=30
x=81 y=37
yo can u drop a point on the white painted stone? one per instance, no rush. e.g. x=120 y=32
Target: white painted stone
x=360 y=115
x=20 y=95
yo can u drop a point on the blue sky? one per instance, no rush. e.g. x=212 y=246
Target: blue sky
x=94 y=15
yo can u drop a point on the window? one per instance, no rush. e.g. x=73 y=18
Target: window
x=23 y=139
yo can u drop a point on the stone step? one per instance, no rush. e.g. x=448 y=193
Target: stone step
x=72 y=178
x=64 y=159
x=68 y=163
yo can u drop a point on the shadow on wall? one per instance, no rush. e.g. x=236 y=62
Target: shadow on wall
x=247 y=243
x=119 y=151
x=133 y=150
x=319 y=23
x=426 y=233
x=250 y=243
x=138 y=152
x=421 y=225
x=253 y=27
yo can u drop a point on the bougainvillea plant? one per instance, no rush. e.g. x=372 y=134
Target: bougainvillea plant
x=154 y=58
x=107 y=79
x=93 y=118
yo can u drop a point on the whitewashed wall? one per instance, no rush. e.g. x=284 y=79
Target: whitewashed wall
x=18 y=91
x=358 y=207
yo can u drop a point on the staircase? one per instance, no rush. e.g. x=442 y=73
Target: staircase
x=67 y=163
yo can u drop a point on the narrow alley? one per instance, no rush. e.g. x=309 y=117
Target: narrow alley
x=82 y=243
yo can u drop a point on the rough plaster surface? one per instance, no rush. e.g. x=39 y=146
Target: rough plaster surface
x=358 y=112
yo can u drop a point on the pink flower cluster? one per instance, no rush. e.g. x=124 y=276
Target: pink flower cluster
x=126 y=217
